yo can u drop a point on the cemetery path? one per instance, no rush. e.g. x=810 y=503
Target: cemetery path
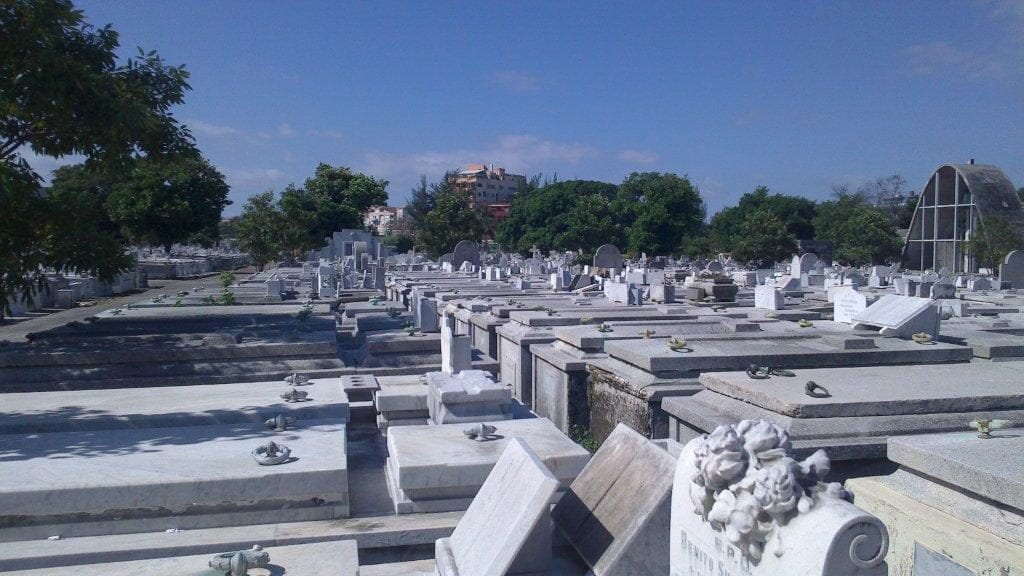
x=16 y=330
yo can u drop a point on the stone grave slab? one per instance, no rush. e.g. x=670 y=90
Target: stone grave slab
x=806 y=349
x=438 y=468
x=737 y=510
x=866 y=405
x=167 y=406
x=617 y=513
x=337 y=558
x=992 y=468
x=848 y=303
x=951 y=484
x=506 y=529
x=155 y=478
x=901 y=316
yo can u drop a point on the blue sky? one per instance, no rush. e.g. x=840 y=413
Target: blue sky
x=796 y=96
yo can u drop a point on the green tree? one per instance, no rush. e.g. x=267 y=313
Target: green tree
x=763 y=239
x=569 y=215
x=995 y=239
x=63 y=92
x=796 y=212
x=165 y=201
x=401 y=242
x=1020 y=193
x=259 y=229
x=451 y=220
x=860 y=233
x=424 y=197
x=335 y=198
x=666 y=211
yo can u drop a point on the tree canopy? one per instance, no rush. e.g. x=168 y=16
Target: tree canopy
x=994 y=241
x=763 y=239
x=335 y=198
x=664 y=211
x=169 y=200
x=452 y=219
x=62 y=92
x=259 y=229
x=795 y=212
x=860 y=233
x=568 y=215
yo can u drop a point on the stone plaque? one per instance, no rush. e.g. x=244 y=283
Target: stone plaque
x=847 y=304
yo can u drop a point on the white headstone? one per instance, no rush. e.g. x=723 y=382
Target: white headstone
x=1012 y=269
x=846 y=304
x=455 y=350
x=768 y=298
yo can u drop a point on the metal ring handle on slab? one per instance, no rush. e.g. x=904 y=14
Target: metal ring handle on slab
x=815 y=390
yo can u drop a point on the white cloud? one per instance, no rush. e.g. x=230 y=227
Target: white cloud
x=935 y=58
x=45 y=165
x=331 y=134
x=285 y=131
x=252 y=177
x=517 y=81
x=638 y=156
x=1011 y=13
x=207 y=129
x=519 y=154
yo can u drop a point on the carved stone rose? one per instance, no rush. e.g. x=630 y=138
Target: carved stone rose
x=746 y=483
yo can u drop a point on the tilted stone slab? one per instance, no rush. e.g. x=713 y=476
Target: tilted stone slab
x=900 y=316
x=617 y=512
x=510 y=511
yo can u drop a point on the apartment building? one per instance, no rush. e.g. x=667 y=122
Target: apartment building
x=487 y=185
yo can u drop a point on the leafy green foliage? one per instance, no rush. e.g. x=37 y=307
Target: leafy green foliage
x=259 y=229
x=452 y=219
x=402 y=242
x=585 y=438
x=795 y=212
x=763 y=239
x=226 y=279
x=664 y=211
x=424 y=197
x=569 y=215
x=333 y=199
x=993 y=242
x=166 y=201
x=860 y=233
x=62 y=92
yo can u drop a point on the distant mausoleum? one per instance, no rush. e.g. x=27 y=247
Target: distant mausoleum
x=952 y=207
